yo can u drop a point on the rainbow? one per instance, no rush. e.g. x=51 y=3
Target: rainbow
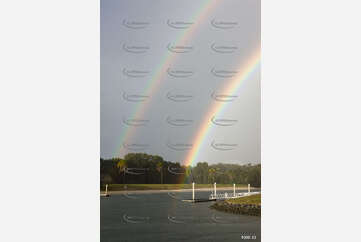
x=234 y=84
x=160 y=72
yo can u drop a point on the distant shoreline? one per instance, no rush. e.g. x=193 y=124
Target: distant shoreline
x=178 y=190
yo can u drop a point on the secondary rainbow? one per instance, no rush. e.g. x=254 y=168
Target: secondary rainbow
x=161 y=71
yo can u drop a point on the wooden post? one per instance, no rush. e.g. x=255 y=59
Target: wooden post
x=106 y=189
x=249 y=188
x=234 y=190
x=193 y=191
x=215 y=190
x=124 y=177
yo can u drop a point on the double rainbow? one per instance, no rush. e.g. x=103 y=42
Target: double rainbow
x=245 y=71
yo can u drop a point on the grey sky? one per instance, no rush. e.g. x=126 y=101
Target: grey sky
x=145 y=29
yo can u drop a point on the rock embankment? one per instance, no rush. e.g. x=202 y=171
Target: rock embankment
x=243 y=208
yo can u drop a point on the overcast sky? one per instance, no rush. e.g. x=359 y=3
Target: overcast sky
x=137 y=36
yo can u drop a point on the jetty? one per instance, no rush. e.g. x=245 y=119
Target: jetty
x=220 y=196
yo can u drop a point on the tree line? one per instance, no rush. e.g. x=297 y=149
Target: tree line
x=142 y=168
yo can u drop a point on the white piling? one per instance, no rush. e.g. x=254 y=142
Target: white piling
x=249 y=188
x=193 y=191
x=106 y=189
x=215 y=190
x=234 y=190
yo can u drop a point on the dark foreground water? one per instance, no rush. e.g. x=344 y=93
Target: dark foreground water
x=164 y=217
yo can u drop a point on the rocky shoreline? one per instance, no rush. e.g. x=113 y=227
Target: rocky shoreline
x=244 y=209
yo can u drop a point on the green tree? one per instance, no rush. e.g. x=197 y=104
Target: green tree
x=160 y=169
x=254 y=176
x=212 y=174
x=122 y=166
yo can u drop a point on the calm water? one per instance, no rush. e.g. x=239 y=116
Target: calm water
x=164 y=217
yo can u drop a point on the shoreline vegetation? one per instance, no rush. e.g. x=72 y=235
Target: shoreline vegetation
x=142 y=168
x=169 y=187
x=249 y=205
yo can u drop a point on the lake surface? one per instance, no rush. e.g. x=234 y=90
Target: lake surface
x=164 y=217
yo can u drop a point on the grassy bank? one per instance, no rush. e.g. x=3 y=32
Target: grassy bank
x=250 y=205
x=120 y=187
x=252 y=200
